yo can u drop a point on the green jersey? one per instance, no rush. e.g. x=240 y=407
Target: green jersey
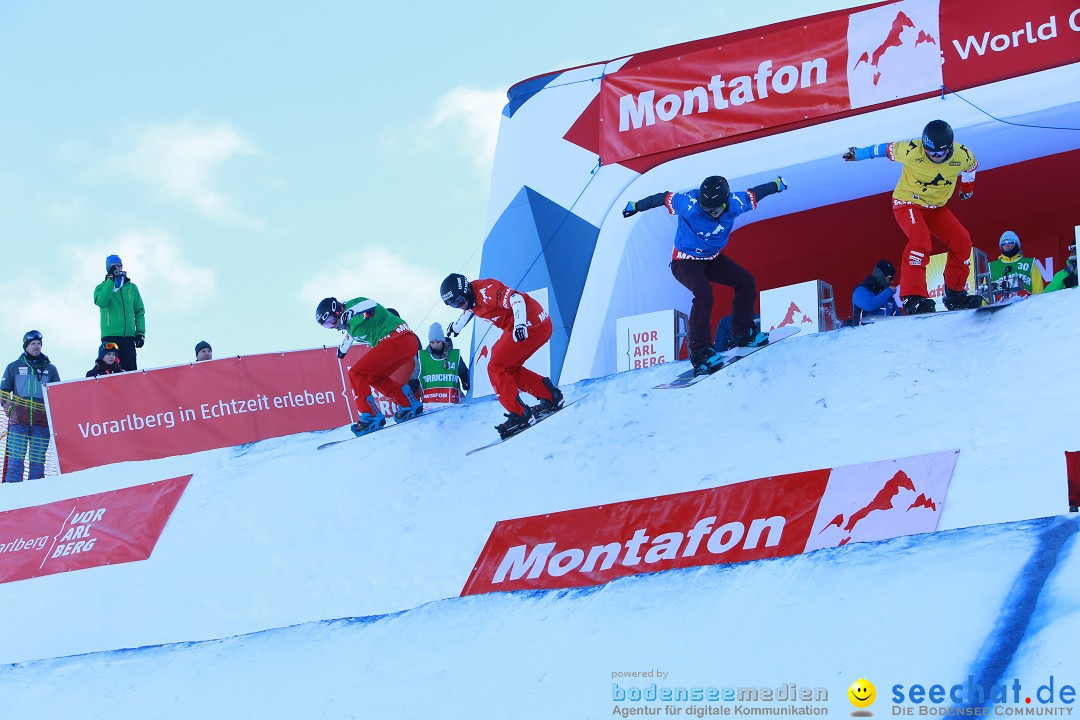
x=440 y=378
x=1019 y=273
x=369 y=322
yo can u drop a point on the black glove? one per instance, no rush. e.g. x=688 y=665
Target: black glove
x=521 y=332
x=340 y=354
x=629 y=210
x=140 y=340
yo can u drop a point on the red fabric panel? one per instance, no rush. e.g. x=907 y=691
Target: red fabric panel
x=104 y=529
x=178 y=410
x=703 y=527
x=1072 y=469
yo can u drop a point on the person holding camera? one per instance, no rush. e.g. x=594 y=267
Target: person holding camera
x=123 y=318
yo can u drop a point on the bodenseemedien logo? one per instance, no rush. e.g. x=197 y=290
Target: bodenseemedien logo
x=862 y=694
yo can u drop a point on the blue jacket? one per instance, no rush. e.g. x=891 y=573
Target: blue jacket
x=864 y=301
x=699 y=234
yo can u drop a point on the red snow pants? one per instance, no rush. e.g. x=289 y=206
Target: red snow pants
x=374 y=369
x=919 y=223
x=506 y=371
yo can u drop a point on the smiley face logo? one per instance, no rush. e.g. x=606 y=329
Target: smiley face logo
x=862 y=693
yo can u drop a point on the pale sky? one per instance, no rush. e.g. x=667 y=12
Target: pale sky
x=247 y=159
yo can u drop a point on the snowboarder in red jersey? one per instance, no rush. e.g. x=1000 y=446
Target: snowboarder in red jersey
x=526 y=327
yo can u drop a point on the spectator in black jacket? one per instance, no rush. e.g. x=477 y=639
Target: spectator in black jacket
x=108 y=360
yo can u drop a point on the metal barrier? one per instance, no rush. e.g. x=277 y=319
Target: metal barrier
x=25 y=449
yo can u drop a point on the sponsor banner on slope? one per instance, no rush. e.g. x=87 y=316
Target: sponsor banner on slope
x=768 y=517
x=104 y=529
x=178 y=410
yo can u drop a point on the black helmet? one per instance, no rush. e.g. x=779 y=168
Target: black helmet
x=329 y=308
x=457 y=292
x=937 y=140
x=713 y=193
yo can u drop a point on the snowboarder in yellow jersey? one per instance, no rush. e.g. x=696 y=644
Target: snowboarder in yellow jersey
x=935 y=166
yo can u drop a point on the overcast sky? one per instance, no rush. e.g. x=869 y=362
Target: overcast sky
x=246 y=159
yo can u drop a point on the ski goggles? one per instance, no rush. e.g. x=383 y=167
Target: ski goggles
x=937 y=154
x=111 y=347
x=329 y=322
x=31 y=337
x=459 y=302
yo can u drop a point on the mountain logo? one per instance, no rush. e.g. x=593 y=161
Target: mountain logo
x=789 y=318
x=882 y=500
x=894 y=51
x=893 y=40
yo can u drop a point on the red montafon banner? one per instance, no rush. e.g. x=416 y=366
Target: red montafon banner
x=104 y=529
x=164 y=412
x=673 y=98
x=764 y=518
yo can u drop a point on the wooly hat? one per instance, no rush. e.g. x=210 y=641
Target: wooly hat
x=102 y=351
x=112 y=260
x=886 y=268
x=30 y=337
x=435 y=332
x=1009 y=237
x=202 y=344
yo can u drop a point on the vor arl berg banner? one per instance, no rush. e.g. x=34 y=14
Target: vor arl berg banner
x=751 y=82
x=764 y=518
x=104 y=529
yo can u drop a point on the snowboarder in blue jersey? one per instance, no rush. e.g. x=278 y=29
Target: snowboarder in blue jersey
x=706 y=219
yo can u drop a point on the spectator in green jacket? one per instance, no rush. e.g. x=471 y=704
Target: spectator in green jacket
x=122 y=313
x=1012 y=273
x=1066 y=277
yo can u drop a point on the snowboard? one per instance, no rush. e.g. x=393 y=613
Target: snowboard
x=388 y=426
x=730 y=356
x=982 y=308
x=566 y=404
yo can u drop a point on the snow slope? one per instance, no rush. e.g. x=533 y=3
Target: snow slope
x=278 y=534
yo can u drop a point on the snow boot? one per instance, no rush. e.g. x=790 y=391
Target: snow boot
x=918 y=305
x=546 y=407
x=369 y=421
x=751 y=337
x=706 y=360
x=960 y=300
x=414 y=408
x=515 y=423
